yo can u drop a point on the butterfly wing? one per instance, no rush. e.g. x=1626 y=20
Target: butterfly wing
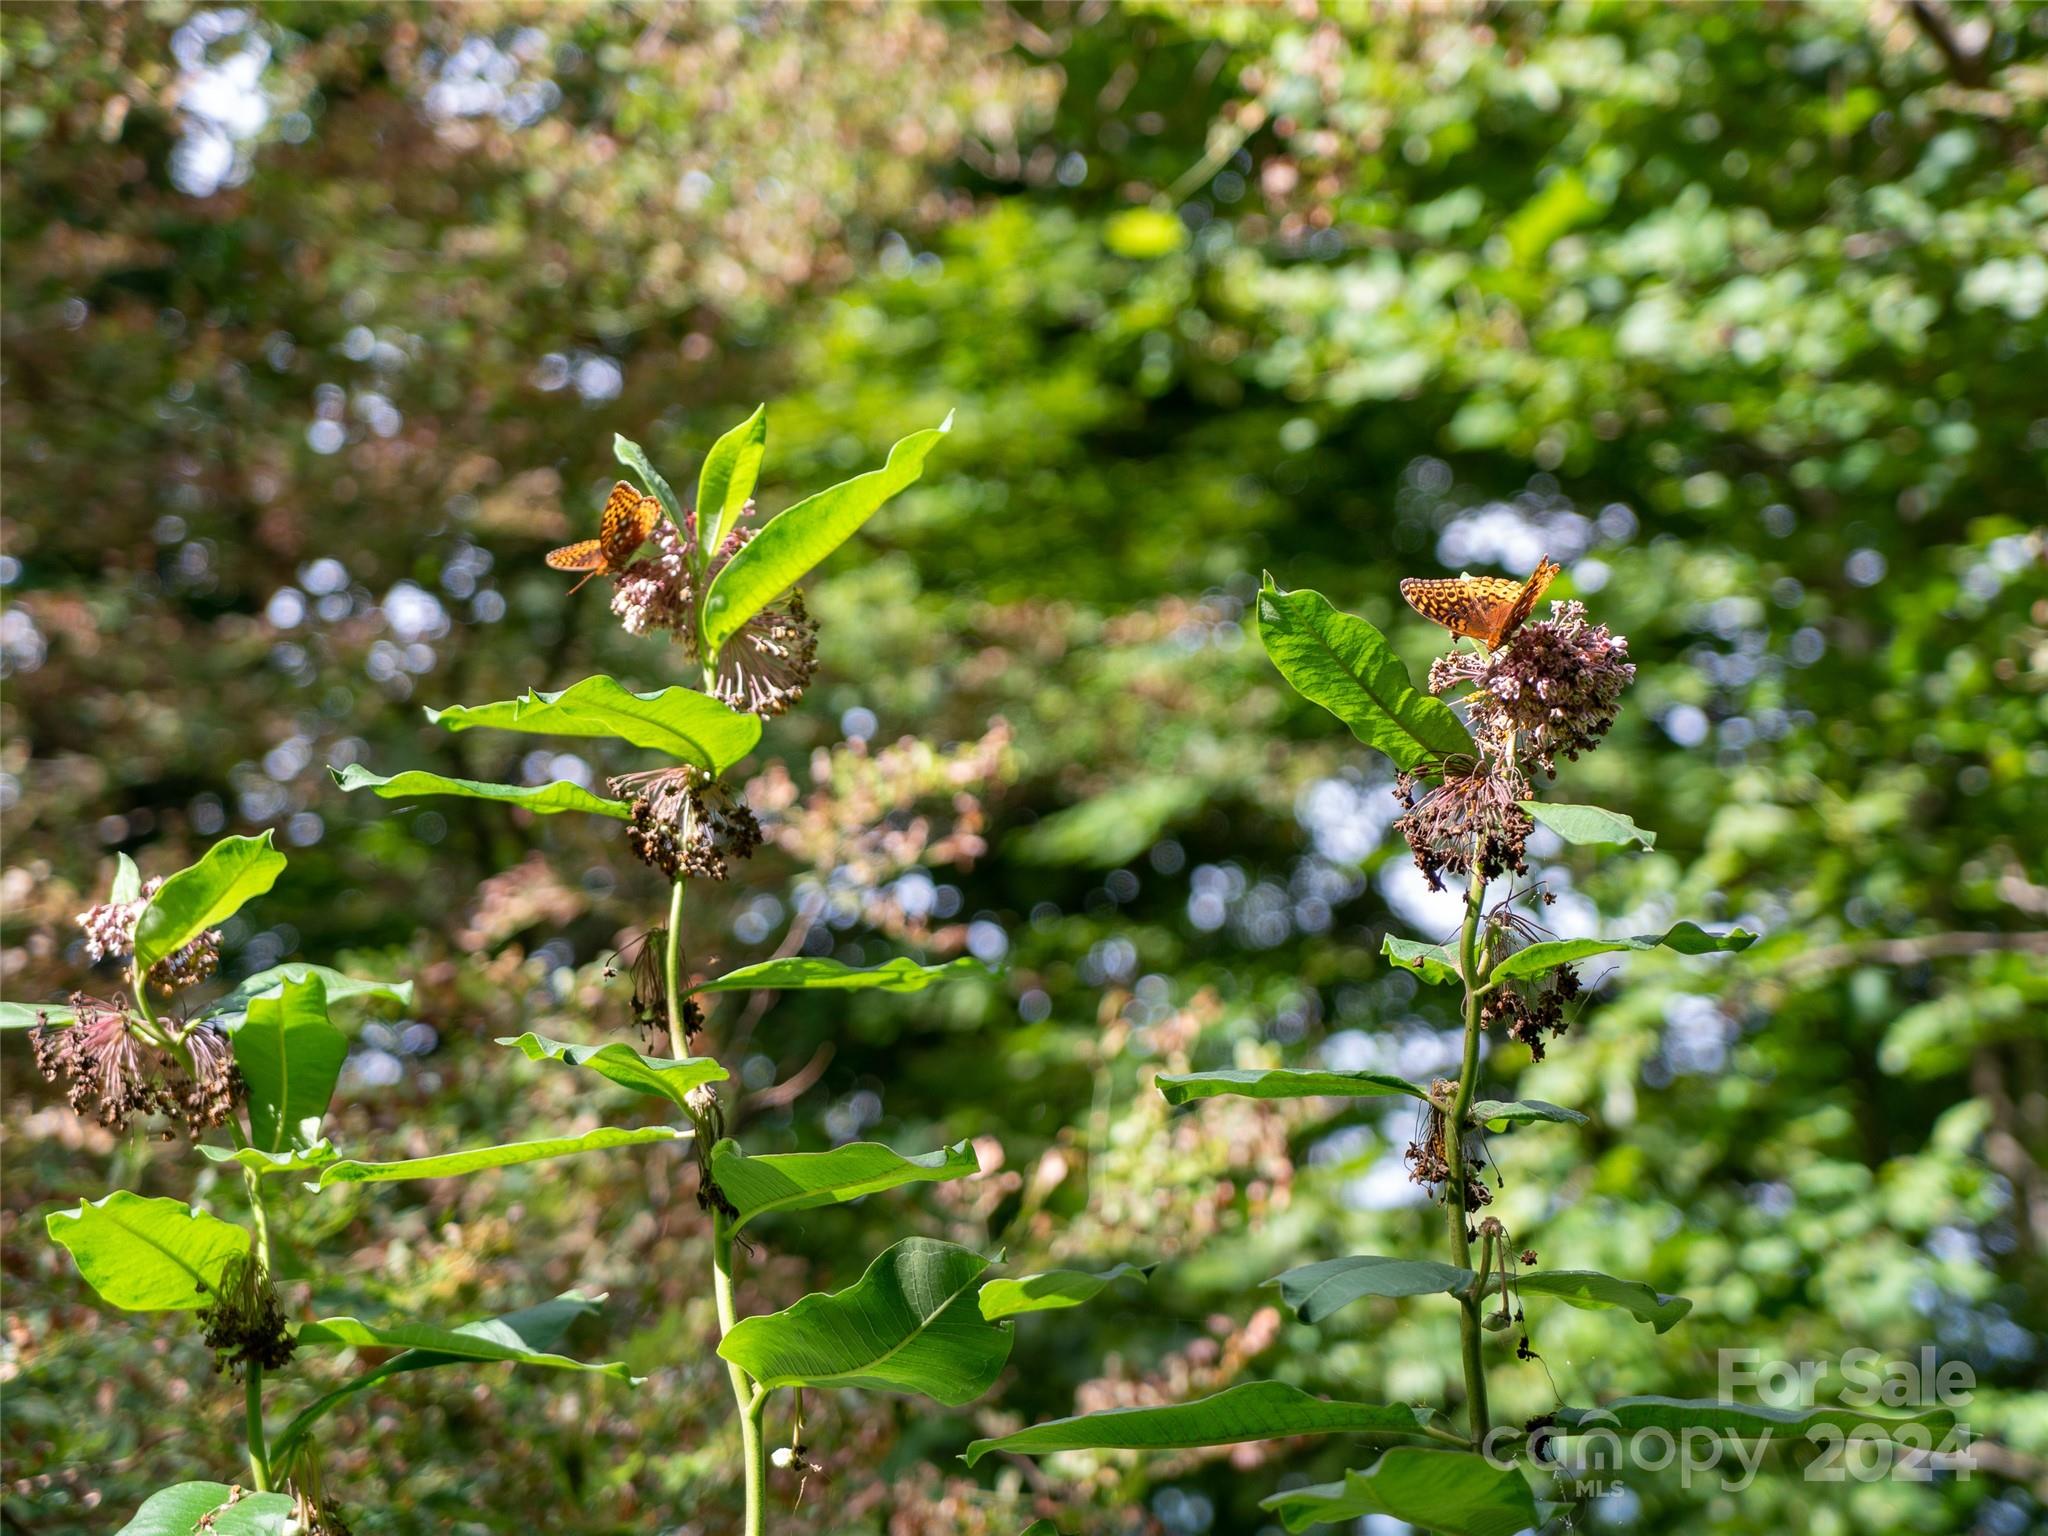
x=1525 y=600
x=1465 y=605
x=628 y=521
x=583 y=555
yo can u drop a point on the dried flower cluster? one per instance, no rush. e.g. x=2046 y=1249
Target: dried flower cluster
x=650 y=992
x=686 y=823
x=1470 y=815
x=1428 y=1157
x=110 y=935
x=763 y=669
x=245 y=1325
x=1533 y=1009
x=112 y=1069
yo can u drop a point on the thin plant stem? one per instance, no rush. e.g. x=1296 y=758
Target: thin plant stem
x=678 y=1038
x=748 y=1398
x=259 y=1451
x=1454 y=1141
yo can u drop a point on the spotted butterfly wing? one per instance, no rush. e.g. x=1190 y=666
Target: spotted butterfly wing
x=1487 y=608
x=627 y=523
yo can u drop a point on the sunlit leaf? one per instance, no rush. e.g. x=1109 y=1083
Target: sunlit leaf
x=629 y=454
x=29 y=1015
x=1495 y=1113
x=1685 y=938
x=803 y=973
x=1315 y=1291
x=1456 y=1493
x=148 y=1255
x=1054 y=1290
x=290 y=1056
x=1587 y=824
x=1434 y=963
x=689 y=726
x=210 y=1509
x=727 y=479
x=779 y=555
x=474 y=1159
x=230 y=1010
x=664 y=1077
x=127 y=880
x=542 y=799
x=910 y=1324
x=297 y=1159
x=799 y=1181
x=492 y=1341
x=1257 y=1410
x=1592 y=1290
x=233 y=871
x=1283 y=1083
x=1344 y=664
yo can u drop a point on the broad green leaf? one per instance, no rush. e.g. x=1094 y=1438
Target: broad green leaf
x=1456 y=1493
x=1587 y=824
x=800 y=1181
x=802 y=974
x=1592 y=1290
x=779 y=555
x=1686 y=938
x=448 y=1164
x=909 y=1325
x=233 y=871
x=297 y=1159
x=1748 y=1422
x=29 y=1015
x=490 y=1341
x=535 y=1329
x=291 y=1057
x=629 y=453
x=541 y=799
x=145 y=1255
x=1314 y=1291
x=1053 y=1290
x=1495 y=1113
x=1434 y=963
x=663 y=1077
x=1111 y=828
x=127 y=880
x=1344 y=664
x=210 y=1509
x=1282 y=1083
x=1257 y=1410
x=689 y=726
x=727 y=479
x=1041 y=1528
x=228 y=1012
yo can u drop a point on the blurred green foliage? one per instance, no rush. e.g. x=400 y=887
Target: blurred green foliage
x=319 y=321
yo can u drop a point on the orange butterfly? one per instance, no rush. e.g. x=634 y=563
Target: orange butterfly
x=1488 y=608
x=628 y=522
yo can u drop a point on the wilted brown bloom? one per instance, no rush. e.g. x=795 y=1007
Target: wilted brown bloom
x=1468 y=815
x=116 y=1074
x=110 y=934
x=1429 y=1160
x=650 y=992
x=687 y=823
x=245 y=1325
x=1533 y=1009
x=1554 y=688
x=763 y=669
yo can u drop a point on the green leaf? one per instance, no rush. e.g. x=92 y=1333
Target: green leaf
x=1591 y=825
x=689 y=726
x=28 y=1015
x=1455 y=1493
x=233 y=871
x=229 y=1012
x=1434 y=963
x=629 y=453
x=1342 y=663
x=803 y=974
x=1053 y=1290
x=542 y=799
x=1591 y=1290
x=727 y=479
x=800 y=1181
x=448 y=1164
x=1282 y=1083
x=209 y=1509
x=145 y=1255
x=1256 y=1410
x=127 y=880
x=490 y=1341
x=1686 y=938
x=661 y=1076
x=1748 y=1422
x=1314 y=1291
x=536 y=1329
x=297 y=1159
x=778 y=556
x=910 y=1324
x=290 y=1056
x=1495 y=1113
